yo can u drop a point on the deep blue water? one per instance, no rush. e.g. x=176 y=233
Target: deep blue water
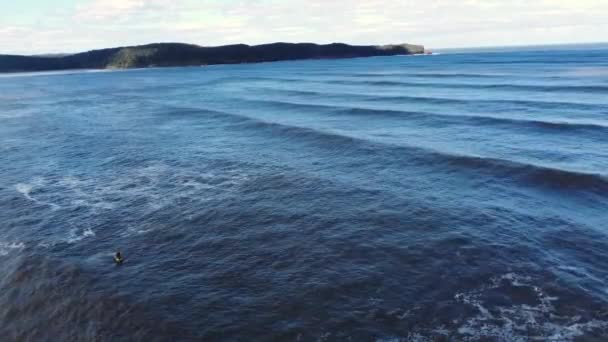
x=456 y=197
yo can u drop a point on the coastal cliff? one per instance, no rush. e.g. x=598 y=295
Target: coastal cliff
x=175 y=54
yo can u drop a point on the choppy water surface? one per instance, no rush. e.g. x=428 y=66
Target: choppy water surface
x=457 y=197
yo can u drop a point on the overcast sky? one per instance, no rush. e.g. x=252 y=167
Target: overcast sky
x=41 y=26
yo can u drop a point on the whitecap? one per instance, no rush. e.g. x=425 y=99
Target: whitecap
x=74 y=237
x=130 y=231
x=25 y=190
x=6 y=248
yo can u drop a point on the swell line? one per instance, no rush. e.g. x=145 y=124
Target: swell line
x=557 y=105
x=473 y=120
x=595 y=89
x=526 y=173
x=413 y=75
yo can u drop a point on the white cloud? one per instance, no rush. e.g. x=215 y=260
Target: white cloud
x=436 y=23
x=109 y=9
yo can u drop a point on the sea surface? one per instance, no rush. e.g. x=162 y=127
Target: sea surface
x=453 y=197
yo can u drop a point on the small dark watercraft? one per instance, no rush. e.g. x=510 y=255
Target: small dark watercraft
x=118 y=258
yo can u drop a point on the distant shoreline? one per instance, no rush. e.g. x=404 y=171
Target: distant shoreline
x=180 y=55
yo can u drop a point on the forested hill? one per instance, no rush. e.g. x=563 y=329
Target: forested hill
x=175 y=54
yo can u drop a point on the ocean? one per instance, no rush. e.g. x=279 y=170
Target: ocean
x=453 y=197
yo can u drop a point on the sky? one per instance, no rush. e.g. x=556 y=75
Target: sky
x=65 y=26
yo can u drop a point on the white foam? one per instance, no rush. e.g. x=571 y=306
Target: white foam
x=570 y=268
x=154 y=186
x=517 y=322
x=26 y=190
x=416 y=337
x=87 y=198
x=6 y=248
x=74 y=237
x=138 y=231
x=47 y=244
x=514 y=323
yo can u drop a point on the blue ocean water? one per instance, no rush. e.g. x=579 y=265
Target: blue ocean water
x=454 y=197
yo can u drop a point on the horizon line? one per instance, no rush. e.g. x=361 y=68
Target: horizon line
x=302 y=42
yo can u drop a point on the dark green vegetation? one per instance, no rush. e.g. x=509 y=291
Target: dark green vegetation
x=173 y=54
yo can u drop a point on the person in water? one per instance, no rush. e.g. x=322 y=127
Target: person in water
x=118 y=258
